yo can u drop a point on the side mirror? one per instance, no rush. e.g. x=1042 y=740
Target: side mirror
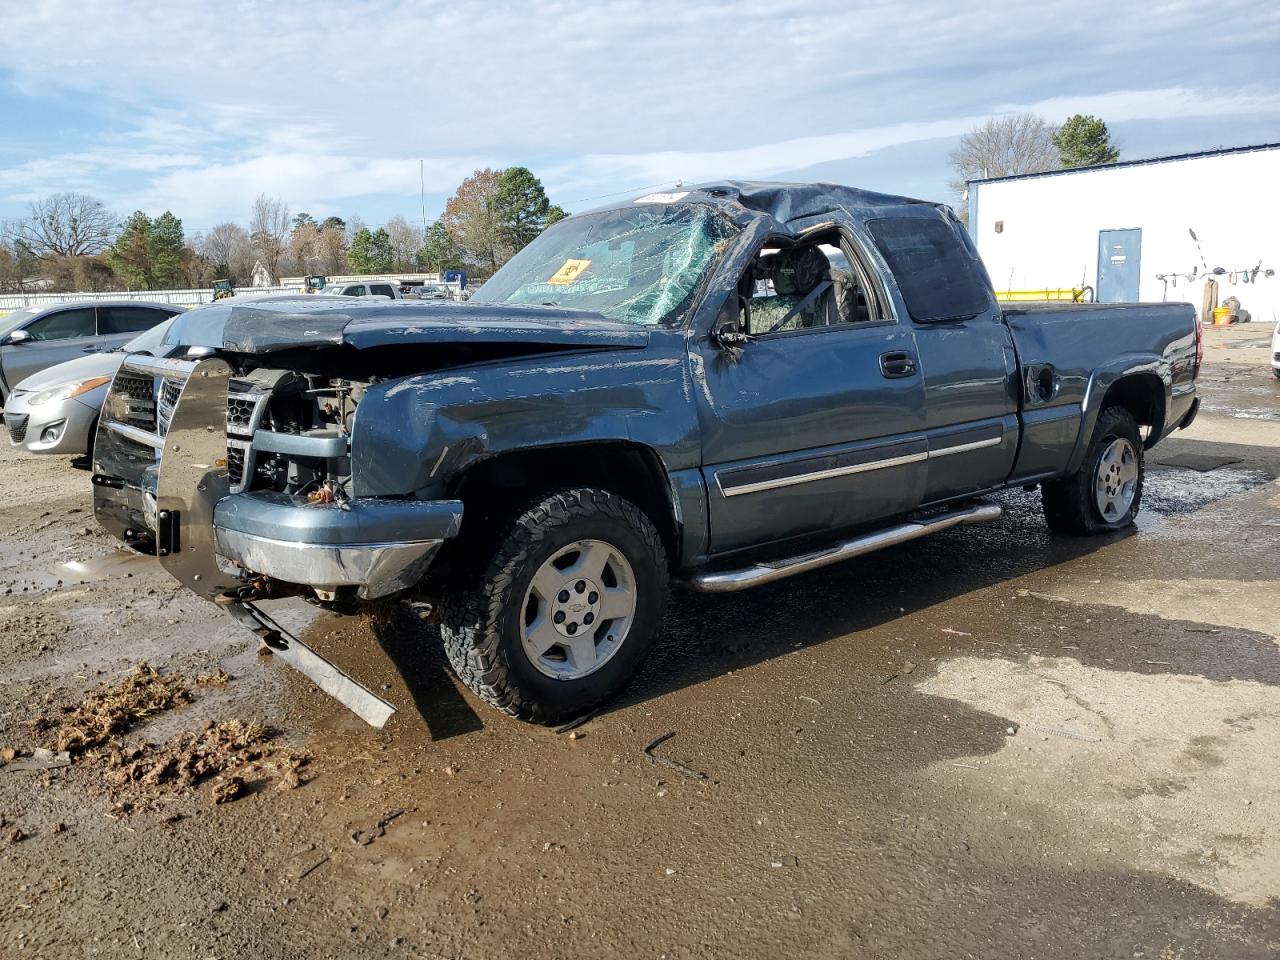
x=726 y=331
x=17 y=336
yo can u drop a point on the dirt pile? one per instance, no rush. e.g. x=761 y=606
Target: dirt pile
x=116 y=710
x=237 y=756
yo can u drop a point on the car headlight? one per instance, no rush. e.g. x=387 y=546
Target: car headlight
x=66 y=391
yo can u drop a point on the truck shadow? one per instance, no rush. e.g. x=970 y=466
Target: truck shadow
x=705 y=636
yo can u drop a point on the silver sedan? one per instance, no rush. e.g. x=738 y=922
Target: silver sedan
x=56 y=410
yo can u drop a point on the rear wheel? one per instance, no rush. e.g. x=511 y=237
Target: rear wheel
x=1106 y=492
x=565 y=610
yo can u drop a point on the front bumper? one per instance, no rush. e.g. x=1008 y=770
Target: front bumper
x=60 y=427
x=164 y=487
x=378 y=546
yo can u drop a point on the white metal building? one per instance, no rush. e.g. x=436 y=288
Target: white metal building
x=1125 y=230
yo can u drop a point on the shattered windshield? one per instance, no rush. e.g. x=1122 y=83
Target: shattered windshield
x=639 y=265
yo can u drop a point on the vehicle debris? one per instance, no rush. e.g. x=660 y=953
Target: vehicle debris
x=673 y=764
x=40 y=759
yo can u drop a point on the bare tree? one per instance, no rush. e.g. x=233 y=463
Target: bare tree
x=406 y=241
x=304 y=247
x=228 y=248
x=67 y=225
x=332 y=247
x=1003 y=146
x=269 y=231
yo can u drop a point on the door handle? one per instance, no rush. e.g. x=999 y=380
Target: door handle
x=897 y=364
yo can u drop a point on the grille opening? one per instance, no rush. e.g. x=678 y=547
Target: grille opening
x=17 y=428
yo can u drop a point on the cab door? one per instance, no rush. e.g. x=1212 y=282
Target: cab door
x=966 y=350
x=810 y=430
x=55 y=337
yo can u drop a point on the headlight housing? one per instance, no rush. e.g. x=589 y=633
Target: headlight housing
x=66 y=391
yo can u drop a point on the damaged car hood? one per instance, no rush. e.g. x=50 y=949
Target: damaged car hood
x=274 y=324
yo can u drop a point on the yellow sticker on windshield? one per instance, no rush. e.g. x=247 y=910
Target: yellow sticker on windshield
x=570 y=272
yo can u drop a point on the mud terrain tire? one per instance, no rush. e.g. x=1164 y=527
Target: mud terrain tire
x=1071 y=505
x=485 y=617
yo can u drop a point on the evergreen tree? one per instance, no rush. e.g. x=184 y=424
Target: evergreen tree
x=1083 y=141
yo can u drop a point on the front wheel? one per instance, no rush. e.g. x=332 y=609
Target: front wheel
x=1106 y=492
x=565 y=610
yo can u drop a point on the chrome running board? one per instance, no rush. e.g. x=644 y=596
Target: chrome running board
x=728 y=581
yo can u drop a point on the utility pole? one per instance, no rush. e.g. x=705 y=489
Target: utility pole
x=422 y=195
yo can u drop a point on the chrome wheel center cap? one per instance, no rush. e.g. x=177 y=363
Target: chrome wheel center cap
x=575 y=609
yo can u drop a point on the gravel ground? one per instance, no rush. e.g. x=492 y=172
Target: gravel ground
x=993 y=743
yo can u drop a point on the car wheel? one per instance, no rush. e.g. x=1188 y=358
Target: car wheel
x=85 y=460
x=1106 y=492
x=564 y=611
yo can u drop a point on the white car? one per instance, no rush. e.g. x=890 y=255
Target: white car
x=56 y=410
x=378 y=288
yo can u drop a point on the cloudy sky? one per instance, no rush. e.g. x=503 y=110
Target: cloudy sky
x=199 y=107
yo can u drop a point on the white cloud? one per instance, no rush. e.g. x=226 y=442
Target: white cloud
x=211 y=104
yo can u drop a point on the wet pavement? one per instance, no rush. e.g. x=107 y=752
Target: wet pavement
x=991 y=743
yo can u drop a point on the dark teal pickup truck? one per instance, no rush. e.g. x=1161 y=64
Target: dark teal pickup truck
x=720 y=387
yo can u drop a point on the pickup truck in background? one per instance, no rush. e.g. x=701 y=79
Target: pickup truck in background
x=721 y=387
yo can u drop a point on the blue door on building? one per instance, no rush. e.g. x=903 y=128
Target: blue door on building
x=1119 y=265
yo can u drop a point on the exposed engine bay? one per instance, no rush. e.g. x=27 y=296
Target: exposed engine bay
x=288 y=431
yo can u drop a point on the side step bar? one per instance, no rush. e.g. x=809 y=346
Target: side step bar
x=728 y=581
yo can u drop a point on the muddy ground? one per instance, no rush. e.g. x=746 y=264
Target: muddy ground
x=994 y=743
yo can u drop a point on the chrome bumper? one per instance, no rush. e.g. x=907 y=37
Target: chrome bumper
x=376 y=569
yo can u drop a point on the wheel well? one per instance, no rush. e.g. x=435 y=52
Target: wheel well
x=495 y=489
x=1142 y=394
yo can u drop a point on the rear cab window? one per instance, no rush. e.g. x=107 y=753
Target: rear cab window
x=936 y=272
x=381 y=290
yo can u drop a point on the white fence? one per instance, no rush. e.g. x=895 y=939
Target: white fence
x=182 y=298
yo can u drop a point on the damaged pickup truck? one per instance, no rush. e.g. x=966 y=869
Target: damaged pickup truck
x=719 y=387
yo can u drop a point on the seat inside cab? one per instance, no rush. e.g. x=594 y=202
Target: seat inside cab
x=801 y=287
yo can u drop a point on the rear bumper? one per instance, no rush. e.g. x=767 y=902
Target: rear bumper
x=1191 y=415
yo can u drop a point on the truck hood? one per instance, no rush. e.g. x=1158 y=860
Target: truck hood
x=277 y=324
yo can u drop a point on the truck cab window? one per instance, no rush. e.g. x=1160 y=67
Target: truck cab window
x=802 y=288
x=937 y=274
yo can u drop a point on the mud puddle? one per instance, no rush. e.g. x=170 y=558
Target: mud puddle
x=1170 y=491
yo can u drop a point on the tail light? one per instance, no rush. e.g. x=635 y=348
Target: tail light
x=1199 y=345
